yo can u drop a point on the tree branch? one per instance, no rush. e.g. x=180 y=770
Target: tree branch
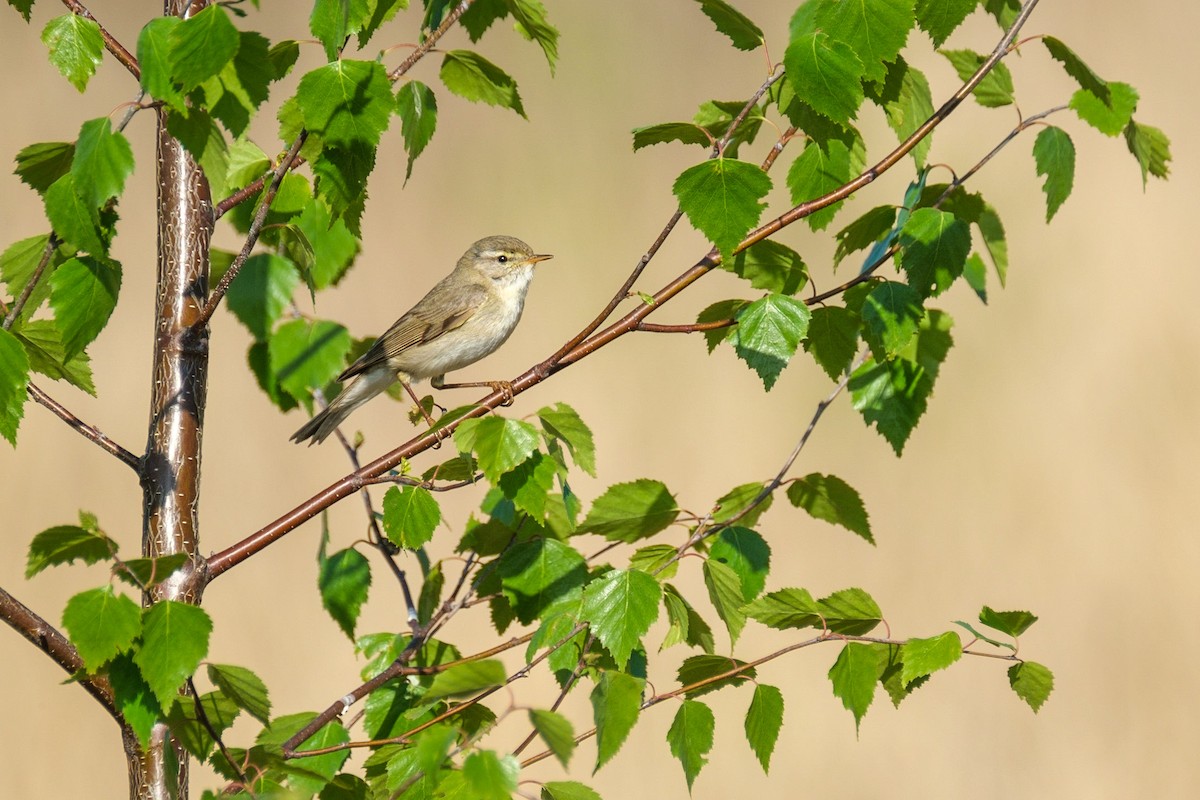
x=92 y=434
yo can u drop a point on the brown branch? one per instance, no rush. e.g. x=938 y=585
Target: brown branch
x=427 y=45
x=695 y=327
x=92 y=434
x=110 y=42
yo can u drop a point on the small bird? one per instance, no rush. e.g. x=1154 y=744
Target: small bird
x=465 y=317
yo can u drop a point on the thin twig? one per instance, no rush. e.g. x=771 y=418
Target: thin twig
x=92 y=434
x=202 y=716
x=18 y=306
x=431 y=40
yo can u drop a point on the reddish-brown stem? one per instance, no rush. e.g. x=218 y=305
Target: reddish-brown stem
x=431 y=40
x=90 y=433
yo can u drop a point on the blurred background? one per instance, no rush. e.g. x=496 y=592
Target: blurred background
x=1053 y=472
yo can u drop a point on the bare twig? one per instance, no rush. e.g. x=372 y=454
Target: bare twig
x=89 y=432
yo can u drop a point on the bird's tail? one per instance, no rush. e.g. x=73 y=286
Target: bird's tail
x=361 y=389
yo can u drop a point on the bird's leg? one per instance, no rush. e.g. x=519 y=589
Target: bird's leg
x=408 y=388
x=504 y=387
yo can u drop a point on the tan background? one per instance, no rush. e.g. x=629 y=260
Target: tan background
x=1055 y=470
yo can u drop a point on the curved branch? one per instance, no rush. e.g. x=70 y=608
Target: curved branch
x=92 y=434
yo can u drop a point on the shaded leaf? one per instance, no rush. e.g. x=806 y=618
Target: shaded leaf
x=996 y=88
x=767 y=334
x=474 y=78
x=832 y=339
x=556 y=731
x=616 y=703
x=344 y=579
x=83 y=294
x=721 y=198
x=1032 y=682
x=14 y=381
x=627 y=512
x=1054 y=154
x=466 y=679
x=243 y=688
x=829 y=498
x=1014 y=623
x=744 y=34
x=417 y=107
x=691 y=737
x=725 y=591
x=202 y=45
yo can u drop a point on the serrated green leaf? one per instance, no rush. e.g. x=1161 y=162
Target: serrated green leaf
x=490 y=776
x=83 y=295
x=155 y=59
x=627 y=512
x=529 y=483
x=306 y=355
x=1032 y=682
x=725 y=591
x=720 y=311
x=744 y=34
x=331 y=244
x=1014 y=623
x=262 y=292
x=243 y=688
x=75 y=222
x=410 y=516
x=76 y=47
x=556 y=731
x=771 y=267
x=1151 y=147
x=658 y=560
x=853 y=676
x=344 y=580
x=923 y=657
x=996 y=88
x=907 y=101
x=22 y=7
x=991 y=229
x=873 y=29
x=466 y=679
x=767 y=334
x=747 y=554
x=195 y=736
x=939 y=18
x=832 y=339
x=891 y=315
x=174 y=640
x=935 y=247
x=1054 y=154
x=826 y=74
x=14 y=381
x=975 y=274
x=983 y=637
x=1077 y=69
x=63 y=544
x=310 y=774
x=142 y=573
x=685 y=624
x=685 y=132
x=417 y=107
x=819 y=170
x=499 y=444
x=334 y=21
x=1111 y=115
x=101 y=624
x=851 y=612
x=737 y=501
x=346 y=102
x=531 y=22
x=563 y=423
x=535 y=575
x=133 y=697
x=697 y=669
x=619 y=608
x=616 y=703
x=103 y=161
x=43 y=346
x=764 y=719
x=691 y=737
x=235 y=93
x=829 y=498
x=786 y=608
x=721 y=198
x=567 y=790
x=202 y=45
x=474 y=78
x=40 y=165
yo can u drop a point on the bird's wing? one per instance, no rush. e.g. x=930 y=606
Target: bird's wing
x=442 y=310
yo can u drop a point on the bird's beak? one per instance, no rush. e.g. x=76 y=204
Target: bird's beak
x=536 y=258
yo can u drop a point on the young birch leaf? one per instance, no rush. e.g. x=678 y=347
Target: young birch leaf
x=996 y=88
x=63 y=544
x=737 y=501
x=620 y=607
x=307 y=355
x=935 y=247
x=907 y=102
x=311 y=773
x=529 y=483
x=826 y=74
x=829 y=498
x=103 y=160
x=465 y=679
x=245 y=689
x=923 y=657
x=1054 y=154
x=133 y=697
x=531 y=23
x=853 y=676
x=202 y=45
x=83 y=295
x=556 y=731
x=474 y=78
x=725 y=591
x=627 y=512
x=75 y=221
x=691 y=737
x=490 y=776
x=1014 y=623
x=786 y=608
x=43 y=346
x=744 y=34
x=832 y=339
x=616 y=703
x=746 y=553
x=767 y=334
x=891 y=315
x=851 y=612
x=764 y=719
x=721 y=197
x=1110 y=115
x=142 y=573
x=347 y=102
x=975 y=274
x=697 y=669
x=567 y=790
x=685 y=624
x=991 y=229
x=410 y=516
x=417 y=107
x=536 y=574
x=564 y=423
x=14 y=381
x=154 y=55
x=1032 y=682
x=101 y=624
x=771 y=267
x=498 y=443
x=76 y=47
x=939 y=18
x=685 y=132
x=262 y=292
x=1151 y=147
x=22 y=7
x=721 y=311
x=819 y=170
x=333 y=21
x=344 y=579
x=195 y=736
x=40 y=165
x=174 y=640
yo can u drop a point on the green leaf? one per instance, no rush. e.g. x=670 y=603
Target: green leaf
x=685 y=132
x=531 y=23
x=874 y=29
x=307 y=355
x=764 y=719
x=1151 y=147
x=826 y=74
x=43 y=346
x=40 y=165
x=991 y=229
x=658 y=560
x=563 y=423
x=1111 y=115
x=738 y=501
x=744 y=34
x=344 y=579
x=556 y=731
x=869 y=229
x=853 y=676
x=1077 y=69
x=333 y=246
x=101 y=624
x=746 y=553
x=310 y=774
x=156 y=59
x=410 y=516
x=923 y=657
x=832 y=339
x=975 y=274
x=725 y=591
x=245 y=689
x=685 y=624
x=1032 y=682
x=1054 y=154
x=466 y=679
x=939 y=18
x=236 y=92
x=184 y=721
x=499 y=444
x=691 y=737
x=1014 y=623
x=891 y=315
x=63 y=544
x=771 y=267
x=417 y=107
x=142 y=573
x=829 y=498
x=76 y=47
x=103 y=161
x=935 y=247
x=851 y=612
x=346 y=102
x=627 y=512
x=535 y=575
x=528 y=484
x=616 y=703
x=786 y=608
x=474 y=78
x=22 y=7
x=333 y=21
x=721 y=197
x=342 y=174
x=202 y=45
x=821 y=169
x=567 y=790
x=174 y=640
x=996 y=88
x=490 y=776
x=620 y=607
x=14 y=381
x=767 y=334
x=83 y=295
x=262 y=292
x=76 y=222
x=133 y=697
x=907 y=102
x=697 y=669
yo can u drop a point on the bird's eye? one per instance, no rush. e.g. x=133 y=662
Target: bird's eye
x=502 y=259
